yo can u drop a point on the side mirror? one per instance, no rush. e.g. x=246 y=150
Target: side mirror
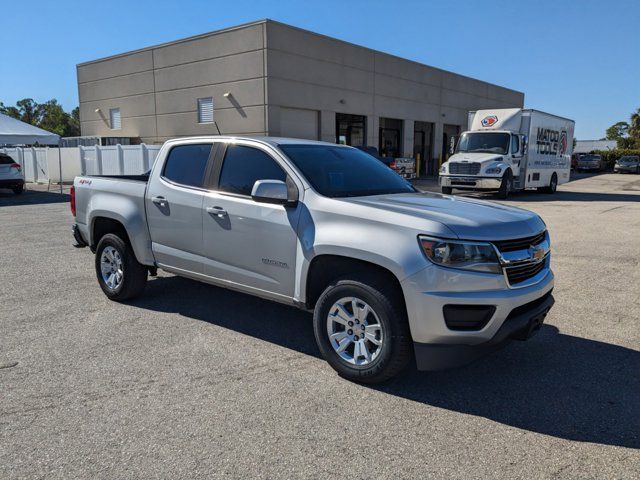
x=275 y=191
x=524 y=144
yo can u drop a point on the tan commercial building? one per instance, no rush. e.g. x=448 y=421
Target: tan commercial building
x=268 y=78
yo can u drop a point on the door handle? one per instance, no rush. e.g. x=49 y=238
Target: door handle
x=159 y=201
x=217 y=211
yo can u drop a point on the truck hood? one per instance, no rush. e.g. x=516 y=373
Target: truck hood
x=476 y=157
x=467 y=218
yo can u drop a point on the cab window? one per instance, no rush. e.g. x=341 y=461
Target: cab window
x=244 y=165
x=187 y=164
x=515 y=144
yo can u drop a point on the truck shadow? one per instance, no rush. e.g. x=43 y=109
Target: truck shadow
x=30 y=197
x=555 y=384
x=559 y=196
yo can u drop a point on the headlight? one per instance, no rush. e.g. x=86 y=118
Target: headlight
x=476 y=256
x=495 y=169
x=443 y=169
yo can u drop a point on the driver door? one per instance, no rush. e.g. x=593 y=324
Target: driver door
x=248 y=243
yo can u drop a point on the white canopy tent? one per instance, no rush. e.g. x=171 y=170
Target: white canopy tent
x=15 y=132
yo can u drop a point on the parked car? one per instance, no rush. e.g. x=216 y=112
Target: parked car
x=574 y=160
x=11 y=175
x=590 y=162
x=373 y=151
x=627 y=163
x=390 y=273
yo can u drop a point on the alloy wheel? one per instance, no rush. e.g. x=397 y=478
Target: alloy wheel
x=355 y=331
x=111 y=267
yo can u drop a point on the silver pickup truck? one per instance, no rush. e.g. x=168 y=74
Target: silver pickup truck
x=390 y=273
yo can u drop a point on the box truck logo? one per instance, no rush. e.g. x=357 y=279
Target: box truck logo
x=489 y=121
x=563 y=142
x=550 y=142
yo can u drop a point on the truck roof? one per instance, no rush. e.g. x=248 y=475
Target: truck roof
x=274 y=141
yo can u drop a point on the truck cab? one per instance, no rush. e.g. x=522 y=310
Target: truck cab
x=486 y=156
x=493 y=155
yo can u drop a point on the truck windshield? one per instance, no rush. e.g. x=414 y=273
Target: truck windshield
x=484 y=142
x=345 y=172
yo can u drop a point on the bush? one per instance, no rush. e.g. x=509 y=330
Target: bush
x=609 y=157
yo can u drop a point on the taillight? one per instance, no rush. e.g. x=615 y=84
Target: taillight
x=17 y=166
x=393 y=164
x=73 y=200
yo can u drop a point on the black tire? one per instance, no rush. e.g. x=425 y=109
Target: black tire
x=134 y=274
x=396 y=350
x=506 y=186
x=553 y=185
x=447 y=190
x=18 y=190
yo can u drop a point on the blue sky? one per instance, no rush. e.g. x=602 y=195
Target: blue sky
x=579 y=59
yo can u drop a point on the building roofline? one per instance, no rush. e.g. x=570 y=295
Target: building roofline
x=175 y=42
x=293 y=27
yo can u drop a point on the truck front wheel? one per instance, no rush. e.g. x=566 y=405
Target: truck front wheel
x=119 y=274
x=506 y=186
x=361 y=329
x=447 y=190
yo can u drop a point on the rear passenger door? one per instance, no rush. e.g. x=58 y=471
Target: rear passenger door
x=174 y=207
x=249 y=243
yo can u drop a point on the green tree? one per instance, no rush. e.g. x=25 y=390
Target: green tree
x=49 y=116
x=29 y=112
x=634 y=125
x=617 y=131
x=53 y=118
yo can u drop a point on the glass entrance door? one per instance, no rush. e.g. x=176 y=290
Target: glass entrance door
x=351 y=129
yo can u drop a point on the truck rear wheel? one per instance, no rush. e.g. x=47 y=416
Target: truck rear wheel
x=362 y=331
x=506 y=186
x=119 y=274
x=553 y=185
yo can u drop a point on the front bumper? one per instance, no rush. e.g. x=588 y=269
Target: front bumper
x=470 y=182
x=626 y=168
x=428 y=291
x=521 y=324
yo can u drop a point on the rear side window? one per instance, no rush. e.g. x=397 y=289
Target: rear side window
x=6 y=160
x=243 y=165
x=187 y=164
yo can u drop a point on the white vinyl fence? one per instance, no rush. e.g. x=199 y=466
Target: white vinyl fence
x=42 y=164
x=117 y=159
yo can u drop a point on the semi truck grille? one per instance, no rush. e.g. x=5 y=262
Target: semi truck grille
x=521 y=273
x=464 y=168
x=519 y=243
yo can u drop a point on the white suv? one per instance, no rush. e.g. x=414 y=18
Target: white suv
x=11 y=175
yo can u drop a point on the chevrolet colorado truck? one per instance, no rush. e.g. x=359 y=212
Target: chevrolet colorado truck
x=391 y=274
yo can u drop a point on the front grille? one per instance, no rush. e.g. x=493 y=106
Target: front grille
x=464 y=168
x=519 y=243
x=521 y=273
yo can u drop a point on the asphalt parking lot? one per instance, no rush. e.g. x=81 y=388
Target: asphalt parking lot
x=193 y=381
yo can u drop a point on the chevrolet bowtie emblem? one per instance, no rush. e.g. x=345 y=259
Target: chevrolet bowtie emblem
x=536 y=252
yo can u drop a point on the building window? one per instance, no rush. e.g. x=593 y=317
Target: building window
x=351 y=129
x=390 y=137
x=205 y=110
x=114 y=118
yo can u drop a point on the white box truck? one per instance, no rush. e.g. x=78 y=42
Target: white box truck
x=510 y=149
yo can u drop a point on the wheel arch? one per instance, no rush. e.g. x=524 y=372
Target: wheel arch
x=325 y=268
